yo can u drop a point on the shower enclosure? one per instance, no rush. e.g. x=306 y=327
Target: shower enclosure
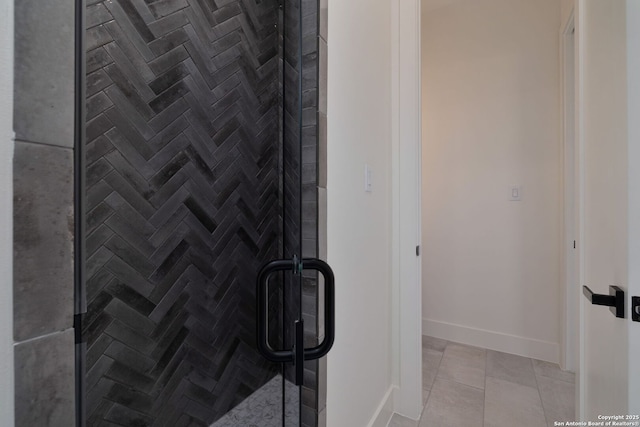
x=197 y=169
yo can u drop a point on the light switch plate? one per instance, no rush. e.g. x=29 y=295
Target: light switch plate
x=515 y=193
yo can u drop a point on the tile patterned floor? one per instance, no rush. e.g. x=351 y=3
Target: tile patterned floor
x=470 y=386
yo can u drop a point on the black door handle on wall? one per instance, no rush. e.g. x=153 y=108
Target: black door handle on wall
x=295 y=355
x=615 y=299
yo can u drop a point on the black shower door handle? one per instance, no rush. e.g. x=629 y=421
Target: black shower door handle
x=262 y=324
x=329 y=308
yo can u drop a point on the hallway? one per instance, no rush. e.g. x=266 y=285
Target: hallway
x=471 y=386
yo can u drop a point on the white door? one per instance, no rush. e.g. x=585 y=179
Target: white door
x=633 y=102
x=608 y=135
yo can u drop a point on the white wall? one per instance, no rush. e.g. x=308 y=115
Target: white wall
x=491 y=119
x=6 y=212
x=358 y=223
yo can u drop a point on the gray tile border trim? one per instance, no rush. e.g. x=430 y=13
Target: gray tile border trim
x=44 y=71
x=45 y=384
x=43 y=240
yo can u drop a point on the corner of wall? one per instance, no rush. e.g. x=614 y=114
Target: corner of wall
x=385 y=410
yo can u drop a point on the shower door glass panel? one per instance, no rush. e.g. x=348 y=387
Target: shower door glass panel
x=300 y=96
x=199 y=162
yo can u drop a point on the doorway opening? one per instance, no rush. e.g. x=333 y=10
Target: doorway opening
x=494 y=229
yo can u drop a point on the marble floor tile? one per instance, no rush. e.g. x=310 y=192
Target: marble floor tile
x=558 y=399
x=431 y=343
x=471 y=386
x=453 y=404
x=463 y=364
x=509 y=404
x=509 y=367
x=552 y=370
x=425 y=396
x=430 y=364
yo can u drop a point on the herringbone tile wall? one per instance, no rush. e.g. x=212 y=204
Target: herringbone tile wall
x=184 y=203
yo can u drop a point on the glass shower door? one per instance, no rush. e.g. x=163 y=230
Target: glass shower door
x=298 y=332
x=198 y=169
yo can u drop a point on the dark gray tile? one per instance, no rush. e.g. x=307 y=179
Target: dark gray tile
x=97 y=171
x=309 y=173
x=97 y=14
x=44 y=71
x=125 y=54
x=324 y=20
x=44 y=381
x=133 y=26
x=309 y=229
x=97 y=81
x=163 y=8
x=97 y=104
x=322 y=223
x=96 y=59
x=97 y=37
x=169 y=23
x=322 y=384
x=322 y=150
x=43 y=239
x=323 y=77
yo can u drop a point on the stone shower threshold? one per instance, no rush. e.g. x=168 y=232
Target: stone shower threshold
x=263 y=408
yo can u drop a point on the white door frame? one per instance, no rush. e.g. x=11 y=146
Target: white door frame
x=579 y=38
x=572 y=344
x=568 y=348
x=633 y=155
x=406 y=205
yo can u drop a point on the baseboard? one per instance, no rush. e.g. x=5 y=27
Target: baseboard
x=385 y=410
x=527 y=347
x=397 y=400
